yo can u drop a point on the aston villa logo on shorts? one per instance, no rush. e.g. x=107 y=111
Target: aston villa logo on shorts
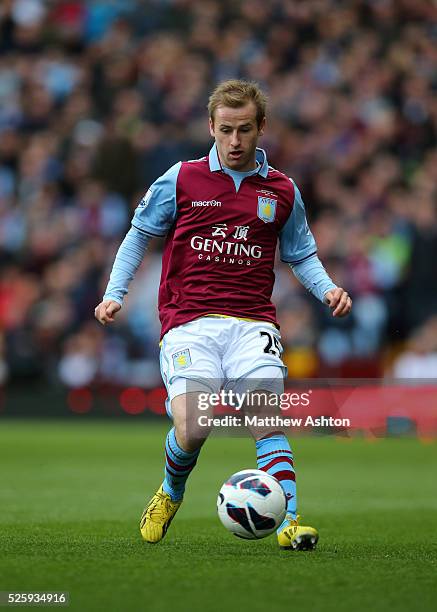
x=181 y=359
x=266 y=209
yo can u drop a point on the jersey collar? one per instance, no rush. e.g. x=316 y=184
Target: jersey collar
x=261 y=157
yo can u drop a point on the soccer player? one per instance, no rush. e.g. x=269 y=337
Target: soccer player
x=222 y=216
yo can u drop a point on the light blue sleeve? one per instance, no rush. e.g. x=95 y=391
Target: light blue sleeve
x=156 y=212
x=313 y=276
x=296 y=239
x=127 y=261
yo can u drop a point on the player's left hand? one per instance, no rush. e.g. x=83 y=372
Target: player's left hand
x=339 y=302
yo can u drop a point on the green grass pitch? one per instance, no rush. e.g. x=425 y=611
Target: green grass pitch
x=72 y=494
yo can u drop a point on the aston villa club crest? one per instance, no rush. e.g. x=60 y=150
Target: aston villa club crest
x=267 y=209
x=181 y=359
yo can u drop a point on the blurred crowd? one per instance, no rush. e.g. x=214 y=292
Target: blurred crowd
x=99 y=98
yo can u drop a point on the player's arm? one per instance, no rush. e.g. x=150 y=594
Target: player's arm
x=153 y=216
x=127 y=261
x=298 y=248
x=313 y=276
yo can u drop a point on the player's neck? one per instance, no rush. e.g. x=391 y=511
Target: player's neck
x=253 y=167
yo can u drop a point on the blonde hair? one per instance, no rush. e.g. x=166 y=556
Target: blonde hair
x=236 y=93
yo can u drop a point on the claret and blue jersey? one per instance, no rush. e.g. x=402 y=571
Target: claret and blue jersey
x=222 y=229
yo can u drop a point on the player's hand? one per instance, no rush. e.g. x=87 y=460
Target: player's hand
x=339 y=302
x=106 y=311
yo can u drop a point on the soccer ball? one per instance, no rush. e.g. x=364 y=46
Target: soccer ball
x=251 y=504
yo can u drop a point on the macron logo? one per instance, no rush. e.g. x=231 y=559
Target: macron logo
x=206 y=203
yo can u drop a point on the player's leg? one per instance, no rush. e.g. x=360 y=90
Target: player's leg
x=183 y=444
x=182 y=448
x=262 y=387
x=187 y=361
x=273 y=451
x=274 y=456
x=259 y=368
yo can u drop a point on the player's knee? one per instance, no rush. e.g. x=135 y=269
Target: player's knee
x=190 y=432
x=187 y=441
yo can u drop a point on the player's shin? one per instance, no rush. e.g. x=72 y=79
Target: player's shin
x=178 y=466
x=274 y=456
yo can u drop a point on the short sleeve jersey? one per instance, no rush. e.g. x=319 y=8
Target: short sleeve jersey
x=220 y=243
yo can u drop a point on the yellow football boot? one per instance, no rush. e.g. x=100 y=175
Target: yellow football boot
x=296 y=537
x=157 y=516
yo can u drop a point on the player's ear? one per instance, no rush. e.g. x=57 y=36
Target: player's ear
x=211 y=127
x=262 y=126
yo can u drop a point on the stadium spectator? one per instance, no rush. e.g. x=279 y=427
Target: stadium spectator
x=97 y=99
x=420 y=357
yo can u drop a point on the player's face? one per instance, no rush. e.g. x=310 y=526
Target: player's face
x=236 y=134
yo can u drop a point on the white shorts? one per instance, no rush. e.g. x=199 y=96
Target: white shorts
x=211 y=353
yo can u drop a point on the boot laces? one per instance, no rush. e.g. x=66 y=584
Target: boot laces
x=161 y=507
x=294 y=523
